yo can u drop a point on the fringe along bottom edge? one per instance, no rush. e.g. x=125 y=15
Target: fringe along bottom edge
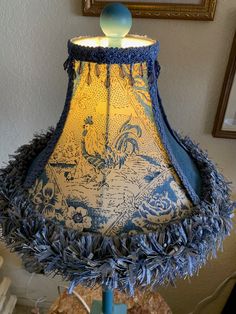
x=176 y=249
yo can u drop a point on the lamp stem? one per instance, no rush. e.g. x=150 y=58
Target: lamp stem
x=107 y=301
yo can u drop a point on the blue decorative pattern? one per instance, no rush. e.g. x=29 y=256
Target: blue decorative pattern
x=190 y=177
x=111 y=162
x=175 y=249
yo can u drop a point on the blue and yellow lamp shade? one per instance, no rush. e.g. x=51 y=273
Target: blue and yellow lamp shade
x=109 y=171
x=113 y=195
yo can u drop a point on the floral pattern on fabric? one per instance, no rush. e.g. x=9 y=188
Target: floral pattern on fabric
x=45 y=198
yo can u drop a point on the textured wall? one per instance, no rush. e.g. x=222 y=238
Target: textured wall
x=33 y=36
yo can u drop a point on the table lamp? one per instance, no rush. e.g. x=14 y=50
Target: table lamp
x=113 y=196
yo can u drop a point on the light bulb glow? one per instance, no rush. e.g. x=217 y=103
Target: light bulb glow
x=127 y=42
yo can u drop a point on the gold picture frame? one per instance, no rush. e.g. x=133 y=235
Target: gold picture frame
x=225 y=120
x=178 y=9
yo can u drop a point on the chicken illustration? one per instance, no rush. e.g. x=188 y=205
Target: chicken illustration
x=104 y=157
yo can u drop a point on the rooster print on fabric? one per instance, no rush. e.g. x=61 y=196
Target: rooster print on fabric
x=103 y=158
x=109 y=172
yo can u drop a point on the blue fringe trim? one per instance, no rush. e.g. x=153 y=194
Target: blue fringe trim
x=176 y=249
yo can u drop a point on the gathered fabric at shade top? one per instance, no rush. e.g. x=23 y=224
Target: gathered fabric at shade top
x=113 y=195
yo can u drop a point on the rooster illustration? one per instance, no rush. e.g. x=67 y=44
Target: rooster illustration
x=103 y=157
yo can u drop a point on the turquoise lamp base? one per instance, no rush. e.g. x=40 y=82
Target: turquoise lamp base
x=117 y=308
x=107 y=306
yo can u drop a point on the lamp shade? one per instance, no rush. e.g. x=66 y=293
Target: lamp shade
x=109 y=170
x=113 y=195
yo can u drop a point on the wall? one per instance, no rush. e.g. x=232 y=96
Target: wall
x=33 y=36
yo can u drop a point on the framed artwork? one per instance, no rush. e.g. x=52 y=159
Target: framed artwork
x=225 y=121
x=162 y=9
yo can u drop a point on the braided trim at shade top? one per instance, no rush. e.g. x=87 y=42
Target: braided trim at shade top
x=176 y=249
x=110 y=55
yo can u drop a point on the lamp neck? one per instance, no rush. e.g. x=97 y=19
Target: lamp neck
x=107 y=301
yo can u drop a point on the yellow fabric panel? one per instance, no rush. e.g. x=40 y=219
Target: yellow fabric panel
x=108 y=150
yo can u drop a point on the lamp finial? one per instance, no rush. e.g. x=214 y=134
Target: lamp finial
x=115 y=21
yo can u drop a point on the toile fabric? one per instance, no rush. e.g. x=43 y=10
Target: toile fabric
x=113 y=195
x=109 y=170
